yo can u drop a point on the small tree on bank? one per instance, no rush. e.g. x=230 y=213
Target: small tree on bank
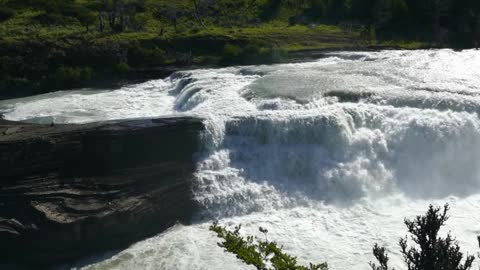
x=262 y=254
x=381 y=255
x=429 y=252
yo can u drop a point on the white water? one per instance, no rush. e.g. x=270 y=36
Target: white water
x=329 y=155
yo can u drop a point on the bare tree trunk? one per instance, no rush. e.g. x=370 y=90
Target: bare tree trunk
x=101 y=22
x=476 y=35
x=112 y=16
x=197 y=15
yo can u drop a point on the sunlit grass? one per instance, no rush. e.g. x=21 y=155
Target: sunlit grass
x=410 y=45
x=275 y=34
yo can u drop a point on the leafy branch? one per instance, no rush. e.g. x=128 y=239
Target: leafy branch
x=262 y=254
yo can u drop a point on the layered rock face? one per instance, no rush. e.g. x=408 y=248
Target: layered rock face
x=67 y=191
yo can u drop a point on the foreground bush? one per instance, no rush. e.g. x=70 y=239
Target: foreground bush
x=428 y=251
x=262 y=254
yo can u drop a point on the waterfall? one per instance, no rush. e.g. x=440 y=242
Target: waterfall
x=329 y=155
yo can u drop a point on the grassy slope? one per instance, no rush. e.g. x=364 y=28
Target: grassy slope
x=45 y=51
x=276 y=34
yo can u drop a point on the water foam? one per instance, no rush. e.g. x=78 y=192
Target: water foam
x=342 y=236
x=329 y=155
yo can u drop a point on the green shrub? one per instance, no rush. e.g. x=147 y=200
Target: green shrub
x=256 y=54
x=259 y=253
x=430 y=252
x=251 y=50
x=51 y=19
x=10 y=64
x=194 y=30
x=15 y=87
x=139 y=56
x=251 y=54
x=230 y=52
x=278 y=54
x=6 y=13
x=84 y=16
x=66 y=77
x=122 y=68
x=95 y=5
x=139 y=21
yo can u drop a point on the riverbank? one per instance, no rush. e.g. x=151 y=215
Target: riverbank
x=46 y=59
x=53 y=45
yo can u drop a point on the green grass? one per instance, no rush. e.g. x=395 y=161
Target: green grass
x=21 y=28
x=36 y=57
x=404 y=44
x=276 y=34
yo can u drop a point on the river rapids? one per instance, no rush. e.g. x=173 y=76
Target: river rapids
x=329 y=155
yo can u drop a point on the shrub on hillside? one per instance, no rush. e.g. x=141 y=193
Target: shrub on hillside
x=139 y=56
x=231 y=51
x=6 y=13
x=249 y=54
x=53 y=19
x=84 y=15
x=66 y=77
x=122 y=68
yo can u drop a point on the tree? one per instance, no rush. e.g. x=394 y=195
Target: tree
x=169 y=11
x=270 y=9
x=86 y=17
x=363 y=11
x=259 y=253
x=197 y=13
x=6 y=13
x=429 y=252
x=381 y=255
x=336 y=10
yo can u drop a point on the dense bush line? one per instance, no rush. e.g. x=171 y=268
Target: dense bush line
x=457 y=20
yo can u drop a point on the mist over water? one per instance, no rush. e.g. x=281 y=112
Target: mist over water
x=329 y=155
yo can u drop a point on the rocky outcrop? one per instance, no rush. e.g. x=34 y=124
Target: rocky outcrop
x=71 y=190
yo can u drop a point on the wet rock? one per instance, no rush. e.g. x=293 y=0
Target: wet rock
x=67 y=191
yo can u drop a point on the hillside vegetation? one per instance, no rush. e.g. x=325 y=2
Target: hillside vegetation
x=56 y=44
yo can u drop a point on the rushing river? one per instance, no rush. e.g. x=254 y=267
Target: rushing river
x=329 y=155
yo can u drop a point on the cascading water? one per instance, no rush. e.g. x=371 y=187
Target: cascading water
x=329 y=155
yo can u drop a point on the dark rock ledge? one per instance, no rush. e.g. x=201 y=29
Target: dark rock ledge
x=67 y=191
